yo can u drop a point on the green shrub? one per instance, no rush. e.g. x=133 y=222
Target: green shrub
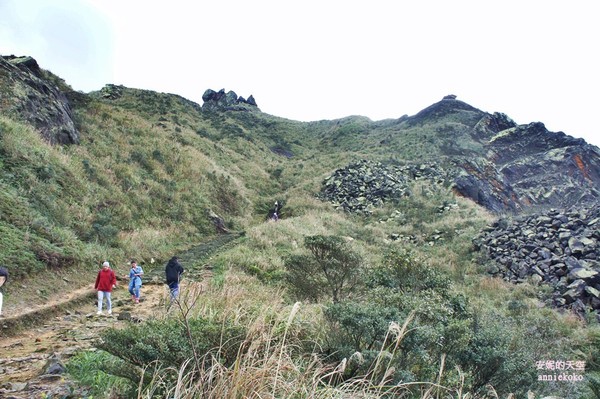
x=594 y=384
x=359 y=326
x=103 y=230
x=162 y=344
x=332 y=269
x=86 y=369
x=402 y=271
x=400 y=286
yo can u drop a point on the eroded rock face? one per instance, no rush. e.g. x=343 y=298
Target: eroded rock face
x=228 y=101
x=557 y=248
x=28 y=95
x=528 y=167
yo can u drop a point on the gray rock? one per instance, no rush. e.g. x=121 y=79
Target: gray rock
x=55 y=367
x=578 y=285
x=537 y=271
x=572 y=262
x=583 y=274
x=17 y=386
x=571 y=295
x=564 y=235
x=592 y=291
x=537 y=279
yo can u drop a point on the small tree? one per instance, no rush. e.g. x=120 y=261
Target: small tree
x=332 y=269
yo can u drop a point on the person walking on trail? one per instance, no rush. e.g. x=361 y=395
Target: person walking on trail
x=105 y=282
x=173 y=272
x=135 y=281
x=275 y=211
x=3 y=278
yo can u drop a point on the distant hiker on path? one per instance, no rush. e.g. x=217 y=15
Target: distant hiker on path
x=173 y=272
x=3 y=278
x=135 y=281
x=105 y=282
x=274 y=213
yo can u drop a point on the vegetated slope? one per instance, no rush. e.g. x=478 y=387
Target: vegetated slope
x=145 y=175
x=149 y=172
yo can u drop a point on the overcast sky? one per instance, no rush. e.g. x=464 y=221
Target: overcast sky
x=326 y=59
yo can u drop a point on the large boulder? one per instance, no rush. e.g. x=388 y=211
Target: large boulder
x=29 y=94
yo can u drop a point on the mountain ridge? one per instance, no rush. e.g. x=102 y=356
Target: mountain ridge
x=490 y=152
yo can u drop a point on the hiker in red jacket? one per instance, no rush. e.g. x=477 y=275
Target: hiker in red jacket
x=105 y=282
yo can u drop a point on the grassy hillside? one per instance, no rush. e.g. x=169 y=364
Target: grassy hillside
x=149 y=169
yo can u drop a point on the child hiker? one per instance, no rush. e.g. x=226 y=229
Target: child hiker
x=135 y=281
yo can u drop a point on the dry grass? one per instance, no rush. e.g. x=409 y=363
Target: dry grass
x=268 y=366
x=271 y=363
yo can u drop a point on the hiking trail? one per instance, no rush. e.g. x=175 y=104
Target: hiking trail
x=36 y=342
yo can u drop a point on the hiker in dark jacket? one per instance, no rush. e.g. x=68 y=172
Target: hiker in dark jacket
x=173 y=273
x=3 y=278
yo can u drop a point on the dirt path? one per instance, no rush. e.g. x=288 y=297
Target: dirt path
x=32 y=360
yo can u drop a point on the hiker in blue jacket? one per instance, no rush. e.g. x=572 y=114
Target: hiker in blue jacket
x=135 y=281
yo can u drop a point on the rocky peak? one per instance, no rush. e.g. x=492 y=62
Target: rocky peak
x=227 y=101
x=112 y=92
x=448 y=105
x=28 y=95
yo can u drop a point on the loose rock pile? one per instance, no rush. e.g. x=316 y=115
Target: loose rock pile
x=363 y=185
x=556 y=248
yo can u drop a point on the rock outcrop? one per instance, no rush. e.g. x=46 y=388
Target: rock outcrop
x=528 y=167
x=112 y=92
x=557 y=248
x=227 y=101
x=28 y=94
x=507 y=167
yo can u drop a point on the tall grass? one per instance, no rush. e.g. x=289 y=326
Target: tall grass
x=268 y=366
